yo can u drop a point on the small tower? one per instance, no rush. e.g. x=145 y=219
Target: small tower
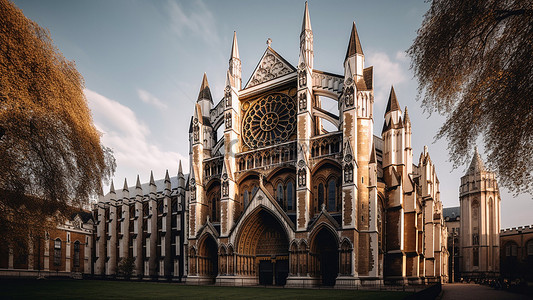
x=305 y=123
x=479 y=198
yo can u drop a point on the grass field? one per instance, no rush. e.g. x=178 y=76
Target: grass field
x=98 y=290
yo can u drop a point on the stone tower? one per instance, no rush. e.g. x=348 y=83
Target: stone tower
x=480 y=221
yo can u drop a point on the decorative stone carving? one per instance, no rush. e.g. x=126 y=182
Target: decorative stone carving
x=302 y=78
x=348 y=96
x=225 y=188
x=269 y=120
x=195 y=130
x=228 y=120
x=302 y=101
x=348 y=173
x=302 y=176
x=227 y=96
x=269 y=68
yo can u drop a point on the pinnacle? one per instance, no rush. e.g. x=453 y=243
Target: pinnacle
x=180 y=169
x=138 y=185
x=393 y=104
x=354 y=46
x=112 y=187
x=406 y=118
x=125 y=188
x=167 y=178
x=234 y=47
x=476 y=165
x=306 y=23
x=205 y=92
x=152 y=182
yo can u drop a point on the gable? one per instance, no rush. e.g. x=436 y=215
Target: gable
x=271 y=66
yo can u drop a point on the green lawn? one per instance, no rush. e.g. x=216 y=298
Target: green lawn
x=98 y=290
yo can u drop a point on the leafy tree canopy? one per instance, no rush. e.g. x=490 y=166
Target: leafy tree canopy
x=474 y=63
x=51 y=158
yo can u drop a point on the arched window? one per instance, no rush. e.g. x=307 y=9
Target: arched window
x=332 y=203
x=511 y=249
x=245 y=198
x=280 y=194
x=529 y=248
x=320 y=196
x=76 y=254
x=57 y=252
x=214 y=210
x=290 y=195
x=254 y=189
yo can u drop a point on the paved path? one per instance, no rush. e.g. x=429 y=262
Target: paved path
x=459 y=291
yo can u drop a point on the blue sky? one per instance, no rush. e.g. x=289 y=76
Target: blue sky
x=143 y=63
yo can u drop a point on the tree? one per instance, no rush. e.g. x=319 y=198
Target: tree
x=51 y=158
x=126 y=267
x=474 y=64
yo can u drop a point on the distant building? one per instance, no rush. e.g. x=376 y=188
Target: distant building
x=147 y=225
x=476 y=224
x=516 y=255
x=64 y=251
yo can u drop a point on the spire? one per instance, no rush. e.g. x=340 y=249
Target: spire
x=205 y=92
x=152 y=182
x=306 y=23
x=476 y=165
x=112 y=188
x=125 y=188
x=180 y=169
x=167 y=178
x=234 y=47
x=406 y=119
x=138 y=185
x=393 y=102
x=354 y=46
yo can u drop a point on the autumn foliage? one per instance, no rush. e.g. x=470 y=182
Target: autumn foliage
x=51 y=158
x=474 y=63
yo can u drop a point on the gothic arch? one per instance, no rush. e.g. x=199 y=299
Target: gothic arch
x=207 y=255
x=324 y=254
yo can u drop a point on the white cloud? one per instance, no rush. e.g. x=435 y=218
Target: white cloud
x=148 y=98
x=391 y=72
x=128 y=137
x=197 y=20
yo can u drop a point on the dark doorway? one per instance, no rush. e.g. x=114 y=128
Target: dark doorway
x=326 y=250
x=282 y=271
x=266 y=269
x=208 y=258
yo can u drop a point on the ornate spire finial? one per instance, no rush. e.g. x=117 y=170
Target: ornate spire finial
x=306 y=23
x=269 y=42
x=354 y=45
x=234 y=47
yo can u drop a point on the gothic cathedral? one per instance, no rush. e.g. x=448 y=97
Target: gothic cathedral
x=278 y=199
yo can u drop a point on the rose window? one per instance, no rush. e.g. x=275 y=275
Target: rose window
x=270 y=120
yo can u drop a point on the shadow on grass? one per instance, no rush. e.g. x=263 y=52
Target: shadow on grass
x=99 y=289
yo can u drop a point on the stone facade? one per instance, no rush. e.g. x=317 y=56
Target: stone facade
x=64 y=251
x=475 y=225
x=146 y=224
x=277 y=199
x=516 y=255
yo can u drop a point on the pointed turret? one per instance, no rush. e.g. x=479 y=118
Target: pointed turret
x=112 y=188
x=306 y=23
x=138 y=184
x=406 y=119
x=235 y=64
x=354 y=45
x=180 y=169
x=306 y=40
x=152 y=182
x=125 y=188
x=205 y=92
x=476 y=166
x=392 y=104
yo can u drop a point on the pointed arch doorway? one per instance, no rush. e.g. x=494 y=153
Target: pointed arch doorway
x=263 y=249
x=325 y=256
x=208 y=257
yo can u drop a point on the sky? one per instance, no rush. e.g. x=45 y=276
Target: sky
x=143 y=63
